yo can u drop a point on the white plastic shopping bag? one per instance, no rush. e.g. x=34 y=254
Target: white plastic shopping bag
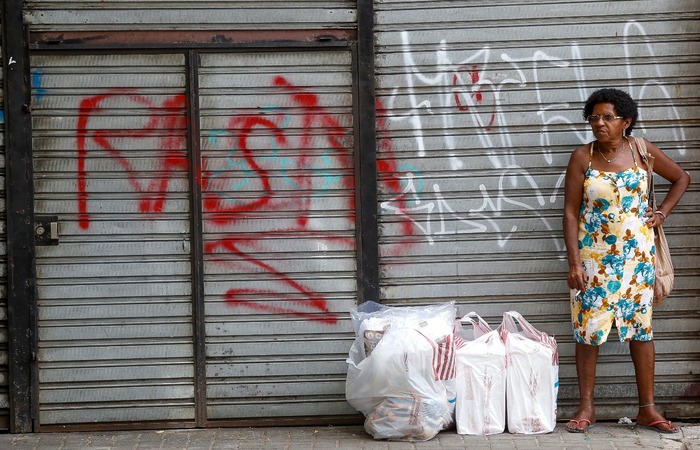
x=532 y=370
x=401 y=370
x=481 y=378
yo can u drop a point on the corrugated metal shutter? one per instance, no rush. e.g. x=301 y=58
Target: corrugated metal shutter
x=49 y=15
x=4 y=350
x=482 y=108
x=114 y=297
x=279 y=231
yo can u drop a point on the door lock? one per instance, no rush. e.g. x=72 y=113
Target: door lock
x=45 y=230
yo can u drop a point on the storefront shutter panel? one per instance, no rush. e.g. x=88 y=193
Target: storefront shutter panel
x=479 y=109
x=114 y=296
x=278 y=231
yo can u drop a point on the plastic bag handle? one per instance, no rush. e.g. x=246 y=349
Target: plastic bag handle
x=509 y=325
x=513 y=318
x=480 y=326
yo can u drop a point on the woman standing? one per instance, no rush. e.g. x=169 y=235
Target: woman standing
x=608 y=232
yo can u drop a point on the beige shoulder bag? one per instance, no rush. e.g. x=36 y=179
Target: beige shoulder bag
x=663 y=282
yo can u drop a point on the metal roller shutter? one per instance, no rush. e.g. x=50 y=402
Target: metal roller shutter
x=279 y=231
x=80 y=15
x=481 y=108
x=115 y=333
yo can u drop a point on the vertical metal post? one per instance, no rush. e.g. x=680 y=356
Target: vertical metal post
x=366 y=158
x=195 y=164
x=19 y=188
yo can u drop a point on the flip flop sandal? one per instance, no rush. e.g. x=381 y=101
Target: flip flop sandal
x=654 y=426
x=578 y=422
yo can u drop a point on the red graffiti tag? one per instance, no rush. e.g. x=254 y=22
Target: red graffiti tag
x=315 y=122
x=224 y=213
x=475 y=93
x=219 y=206
x=476 y=96
x=307 y=307
x=173 y=157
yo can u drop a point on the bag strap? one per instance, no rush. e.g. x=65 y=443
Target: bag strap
x=511 y=320
x=649 y=161
x=481 y=327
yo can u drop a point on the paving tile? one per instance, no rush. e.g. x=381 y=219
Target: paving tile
x=369 y=445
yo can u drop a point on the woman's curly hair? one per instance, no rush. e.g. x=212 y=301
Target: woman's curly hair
x=621 y=100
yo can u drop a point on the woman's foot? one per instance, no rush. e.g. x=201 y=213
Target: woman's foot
x=650 y=418
x=662 y=426
x=584 y=419
x=578 y=426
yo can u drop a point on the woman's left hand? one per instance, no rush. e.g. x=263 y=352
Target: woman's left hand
x=653 y=220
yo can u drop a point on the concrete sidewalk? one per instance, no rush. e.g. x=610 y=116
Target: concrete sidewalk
x=605 y=435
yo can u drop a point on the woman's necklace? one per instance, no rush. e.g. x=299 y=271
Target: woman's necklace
x=619 y=153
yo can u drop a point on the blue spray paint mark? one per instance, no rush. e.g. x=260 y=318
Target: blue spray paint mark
x=328 y=179
x=2 y=116
x=233 y=163
x=37 y=81
x=417 y=180
x=214 y=136
x=236 y=162
x=283 y=162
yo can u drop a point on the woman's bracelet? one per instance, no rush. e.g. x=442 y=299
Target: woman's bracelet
x=661 y=213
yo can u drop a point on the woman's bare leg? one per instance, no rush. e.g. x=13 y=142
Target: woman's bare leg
x=586 y=361
x=644 y=358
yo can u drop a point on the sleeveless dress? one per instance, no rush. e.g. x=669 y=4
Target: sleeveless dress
x=617 y=252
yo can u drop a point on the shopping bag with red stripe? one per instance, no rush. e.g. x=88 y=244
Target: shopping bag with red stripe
x=401 y=370
x=481 y=377
x=532 y=376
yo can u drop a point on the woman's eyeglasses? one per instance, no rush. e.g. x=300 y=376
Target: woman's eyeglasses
x=605 y=117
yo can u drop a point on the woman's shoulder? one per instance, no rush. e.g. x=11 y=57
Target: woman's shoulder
x=582 y=151
x=579 y=157
x=584 y=147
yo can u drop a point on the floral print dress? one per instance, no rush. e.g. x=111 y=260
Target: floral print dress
x=617 y=252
